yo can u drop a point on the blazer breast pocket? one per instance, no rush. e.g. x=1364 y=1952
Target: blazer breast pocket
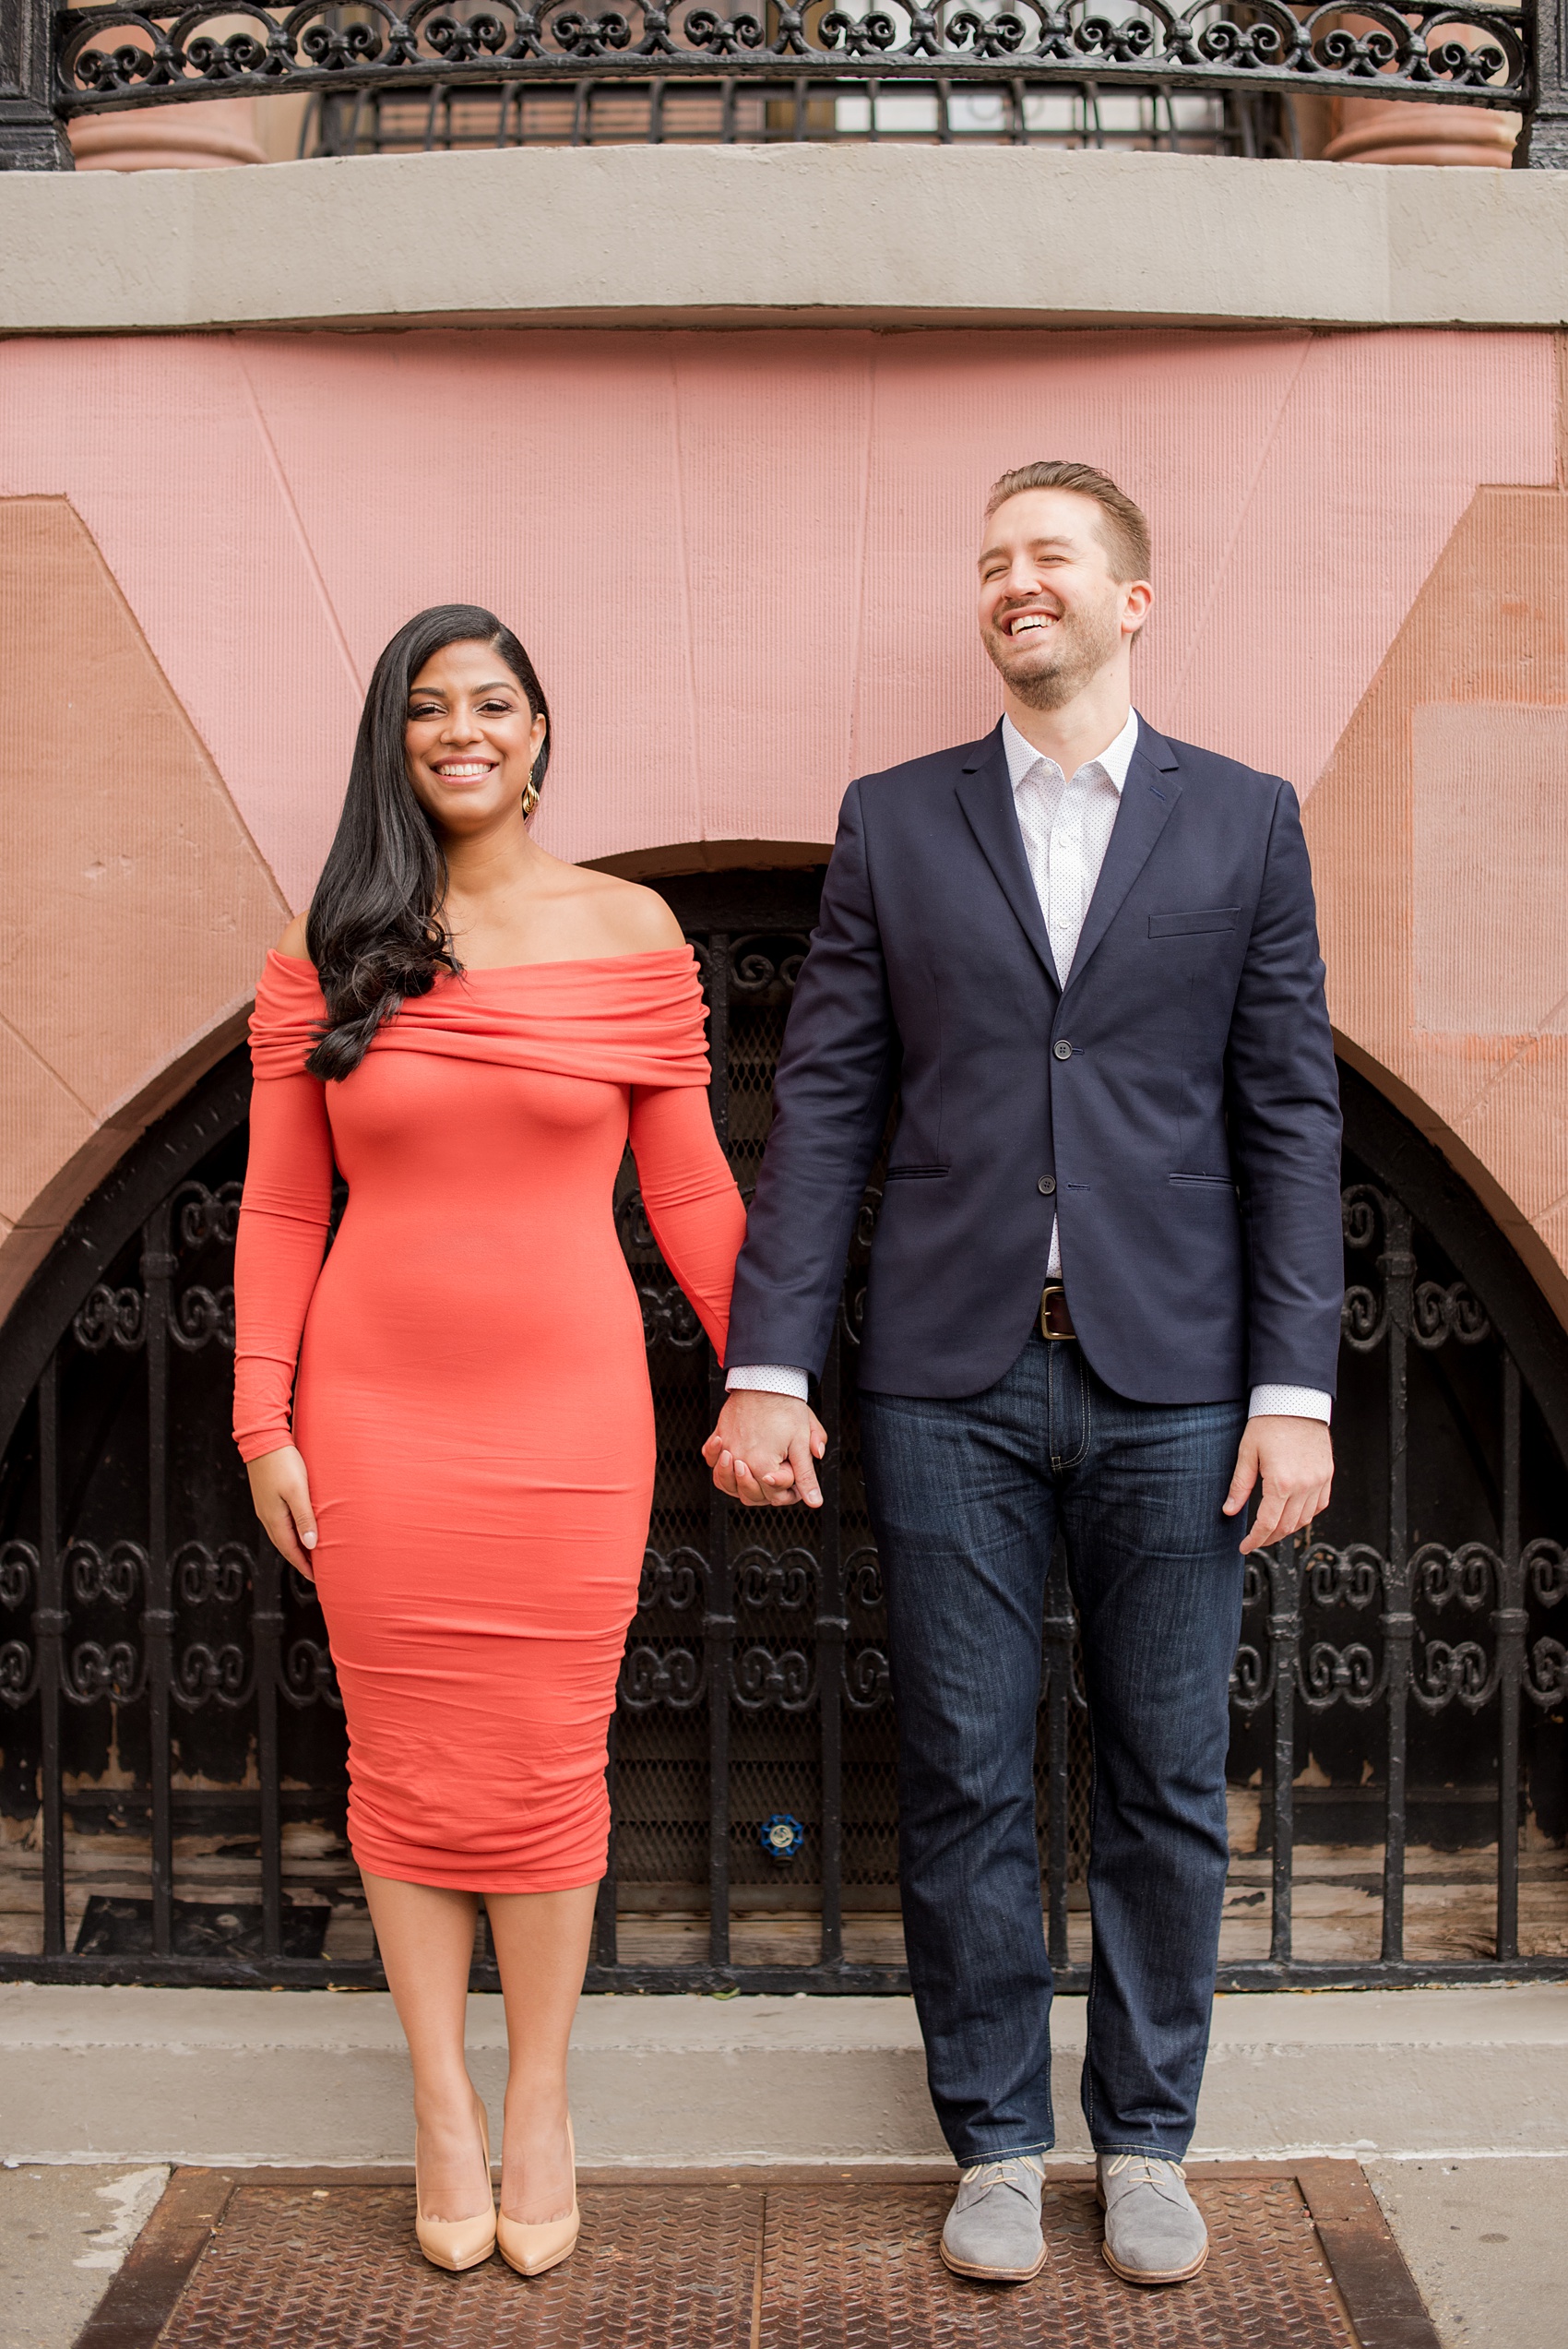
x=1186 y=925
x=916 y=1174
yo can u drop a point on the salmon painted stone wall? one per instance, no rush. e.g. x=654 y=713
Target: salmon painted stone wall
x=744 y=564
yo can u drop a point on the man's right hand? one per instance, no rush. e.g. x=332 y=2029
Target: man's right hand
x=764 y=1449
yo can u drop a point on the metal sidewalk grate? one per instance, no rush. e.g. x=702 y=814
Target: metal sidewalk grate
x=1301 y=2259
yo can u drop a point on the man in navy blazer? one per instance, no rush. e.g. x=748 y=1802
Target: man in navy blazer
x=1103 y=1302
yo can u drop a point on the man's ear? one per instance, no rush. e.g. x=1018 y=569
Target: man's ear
x=1136 y=611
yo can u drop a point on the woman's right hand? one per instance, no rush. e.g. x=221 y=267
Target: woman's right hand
x=280 y=1491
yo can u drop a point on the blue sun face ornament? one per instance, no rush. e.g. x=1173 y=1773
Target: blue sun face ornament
x=782 y=1837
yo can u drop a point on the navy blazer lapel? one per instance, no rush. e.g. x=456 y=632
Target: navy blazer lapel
x=985 y=794
x=1151 y=791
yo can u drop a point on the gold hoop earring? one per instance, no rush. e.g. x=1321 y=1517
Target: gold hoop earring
x=530 y=797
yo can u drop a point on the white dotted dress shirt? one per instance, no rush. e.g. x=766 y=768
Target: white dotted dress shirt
x=1066 y=828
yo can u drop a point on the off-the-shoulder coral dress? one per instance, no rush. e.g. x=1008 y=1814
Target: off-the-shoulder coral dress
x=471 y=1397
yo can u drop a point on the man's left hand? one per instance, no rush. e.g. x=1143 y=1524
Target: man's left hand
x=1295 y=1459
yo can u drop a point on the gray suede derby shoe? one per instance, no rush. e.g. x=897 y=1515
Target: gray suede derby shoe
x=993 y=2230
x=1153 y=2231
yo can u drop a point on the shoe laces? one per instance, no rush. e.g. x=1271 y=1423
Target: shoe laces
x=995 y=2173
x=1153 y=2165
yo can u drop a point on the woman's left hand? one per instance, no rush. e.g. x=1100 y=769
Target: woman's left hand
x=281 y=1492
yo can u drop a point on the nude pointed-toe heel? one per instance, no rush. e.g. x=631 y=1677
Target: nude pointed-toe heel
x=456 y=2243
x=532 y=2250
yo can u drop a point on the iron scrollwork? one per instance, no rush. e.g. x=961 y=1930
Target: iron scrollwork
x=764 y=967
x=113 y=56
x=308 y=1675
x=862 y=1578
x=18 y=1581
x=673 y=1678
x=1546 y=1571
x=94 y=1671
x=207 y=1217
x=668 y=1317
x=867 y=1677
x=198 y=1314
x=656 y=1674
x=1459 y=1670
x=784 y=1581
x=678 y=1581
x=1252 y=1670
x=1545 y=1668
x=765 y=1677
x=115 y=1668
x=1438 y=1312
x=109 y=1316
x=114 y=1575
x=1328 y=1674
x=1363 y=1316
x=205 y=1671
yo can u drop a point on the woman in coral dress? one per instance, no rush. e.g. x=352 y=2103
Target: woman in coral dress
x=447 y=1418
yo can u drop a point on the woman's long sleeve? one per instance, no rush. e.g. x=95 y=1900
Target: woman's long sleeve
x=284 y=1218
x=693 y=1209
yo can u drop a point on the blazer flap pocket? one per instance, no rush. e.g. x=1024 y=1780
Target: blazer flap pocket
x=916 y=1174
x=1183 y=926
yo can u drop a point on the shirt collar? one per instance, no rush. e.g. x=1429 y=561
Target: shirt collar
x=1115 y=758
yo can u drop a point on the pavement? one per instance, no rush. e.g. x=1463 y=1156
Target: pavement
x=1487 y=2241
x=63 y=2233
x=1456 y=2101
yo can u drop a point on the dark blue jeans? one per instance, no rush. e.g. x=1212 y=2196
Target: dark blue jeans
x=966 y=1498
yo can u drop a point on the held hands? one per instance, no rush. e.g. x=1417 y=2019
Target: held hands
x=280 y=1492
x=1295 y=1460
x=763 y=1449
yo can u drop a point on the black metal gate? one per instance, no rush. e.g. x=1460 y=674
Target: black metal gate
x=172 y=1769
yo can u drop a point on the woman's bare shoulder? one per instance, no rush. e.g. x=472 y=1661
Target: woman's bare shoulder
x=627 y=917
x=292 y=942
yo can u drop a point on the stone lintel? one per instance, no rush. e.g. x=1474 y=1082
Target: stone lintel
x=808 y=235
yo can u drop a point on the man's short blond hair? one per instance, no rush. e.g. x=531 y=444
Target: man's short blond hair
x=1124 y=532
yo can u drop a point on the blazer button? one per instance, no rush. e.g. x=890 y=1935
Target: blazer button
x=1047 y=1184
x=1062 y=1048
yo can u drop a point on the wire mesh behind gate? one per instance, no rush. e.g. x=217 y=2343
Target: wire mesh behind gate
x=171 y=1755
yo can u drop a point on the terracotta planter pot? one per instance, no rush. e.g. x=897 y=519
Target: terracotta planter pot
x=204 y=138
x=1386 y=130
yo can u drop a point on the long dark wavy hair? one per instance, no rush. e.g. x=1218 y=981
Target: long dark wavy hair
x=375 y=932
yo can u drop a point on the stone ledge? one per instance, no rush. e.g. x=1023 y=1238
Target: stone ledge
x=290 y=2078
x=36 y=2016
x=716 y=236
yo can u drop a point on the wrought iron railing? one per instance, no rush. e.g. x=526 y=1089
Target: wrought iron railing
x=887 y=110
x=555 y=71
x=171 y=1744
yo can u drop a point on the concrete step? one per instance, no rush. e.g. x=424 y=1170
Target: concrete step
x=321 y=2077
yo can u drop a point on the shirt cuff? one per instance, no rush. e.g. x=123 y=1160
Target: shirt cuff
x=767 y=1378
x=1290 y=1403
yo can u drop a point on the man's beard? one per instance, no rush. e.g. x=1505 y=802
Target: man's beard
x=1085 y=643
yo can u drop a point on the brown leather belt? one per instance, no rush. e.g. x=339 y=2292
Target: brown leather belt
x=1055 y=1321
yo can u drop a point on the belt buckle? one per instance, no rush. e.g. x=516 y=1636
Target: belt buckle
x=1052 y=1290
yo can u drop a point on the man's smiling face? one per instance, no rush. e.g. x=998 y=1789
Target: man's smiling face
x=1051 y=615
